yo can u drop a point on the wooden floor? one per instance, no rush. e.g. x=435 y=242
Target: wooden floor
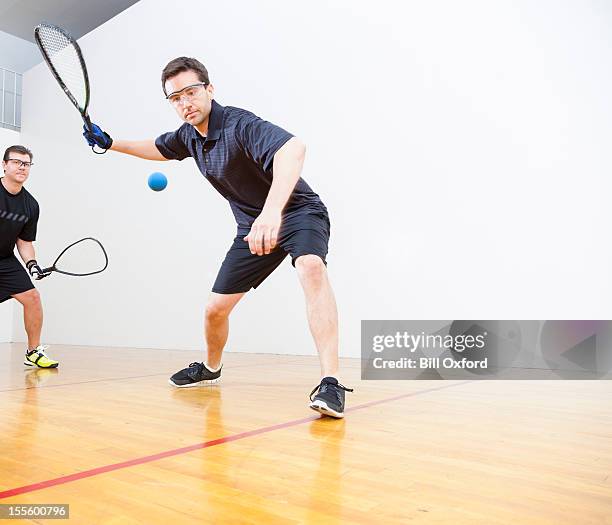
x=108 y=435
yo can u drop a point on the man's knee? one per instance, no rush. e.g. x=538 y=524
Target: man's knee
x=218 y=308
x=30 y=298
x=310 y=268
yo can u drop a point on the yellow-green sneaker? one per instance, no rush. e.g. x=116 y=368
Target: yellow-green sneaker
x=39 y=358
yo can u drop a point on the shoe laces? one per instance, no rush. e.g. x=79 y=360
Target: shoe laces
x=325 y=386
x=197 y=367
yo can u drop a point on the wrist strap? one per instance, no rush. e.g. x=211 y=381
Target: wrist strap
x=31 y=263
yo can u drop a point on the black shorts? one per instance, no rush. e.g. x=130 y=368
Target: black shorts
x=14 y=278
x=241 y=270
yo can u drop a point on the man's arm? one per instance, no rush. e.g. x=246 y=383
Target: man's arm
x=144 y=149
x=286 y=169
x=26 y=250
x=28 y=256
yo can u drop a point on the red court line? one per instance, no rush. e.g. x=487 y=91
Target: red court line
x=183 y=450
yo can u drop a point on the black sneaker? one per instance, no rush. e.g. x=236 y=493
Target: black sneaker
x=329 y=400
x=195 y=375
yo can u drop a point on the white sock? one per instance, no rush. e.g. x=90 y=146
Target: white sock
x=211 y=369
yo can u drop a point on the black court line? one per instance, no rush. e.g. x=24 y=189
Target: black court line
x=121 y=378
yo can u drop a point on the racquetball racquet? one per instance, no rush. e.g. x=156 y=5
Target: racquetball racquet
x=84 y=257
x=65 y=60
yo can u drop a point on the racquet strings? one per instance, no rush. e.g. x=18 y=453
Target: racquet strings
x=63 y=55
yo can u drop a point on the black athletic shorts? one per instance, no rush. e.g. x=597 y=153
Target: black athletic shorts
x=14 y=278
x=241 y=270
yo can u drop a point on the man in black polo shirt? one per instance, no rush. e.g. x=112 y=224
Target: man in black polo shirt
x=256 y=166
x=18 y=221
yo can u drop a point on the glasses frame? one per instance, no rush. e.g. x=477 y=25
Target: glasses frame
x=174 y=93
x=22 y=163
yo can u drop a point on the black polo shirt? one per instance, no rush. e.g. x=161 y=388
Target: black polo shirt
x=236 y=158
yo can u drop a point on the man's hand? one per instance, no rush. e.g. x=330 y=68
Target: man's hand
x=35 y=270
x=97 y=137
x=264 y=232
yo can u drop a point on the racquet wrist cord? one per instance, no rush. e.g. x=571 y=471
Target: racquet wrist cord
x=35 y=270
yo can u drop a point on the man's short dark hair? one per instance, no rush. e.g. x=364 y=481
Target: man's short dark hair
x=17 y=149
x=181 y=64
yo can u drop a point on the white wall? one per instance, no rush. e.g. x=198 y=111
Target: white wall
x=7 y=308
x=461 y=147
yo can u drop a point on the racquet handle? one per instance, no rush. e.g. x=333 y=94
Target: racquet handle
x=89 y=127
x=87 y=122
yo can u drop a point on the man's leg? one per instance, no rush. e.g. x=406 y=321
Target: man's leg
x=32 y=320
x=216 y=325
x=32 y=315
x=216 y=330
x=321 y=310
x=239 y=272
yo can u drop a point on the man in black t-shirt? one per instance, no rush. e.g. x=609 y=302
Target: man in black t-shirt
x=256 y=166
x=18 y=220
